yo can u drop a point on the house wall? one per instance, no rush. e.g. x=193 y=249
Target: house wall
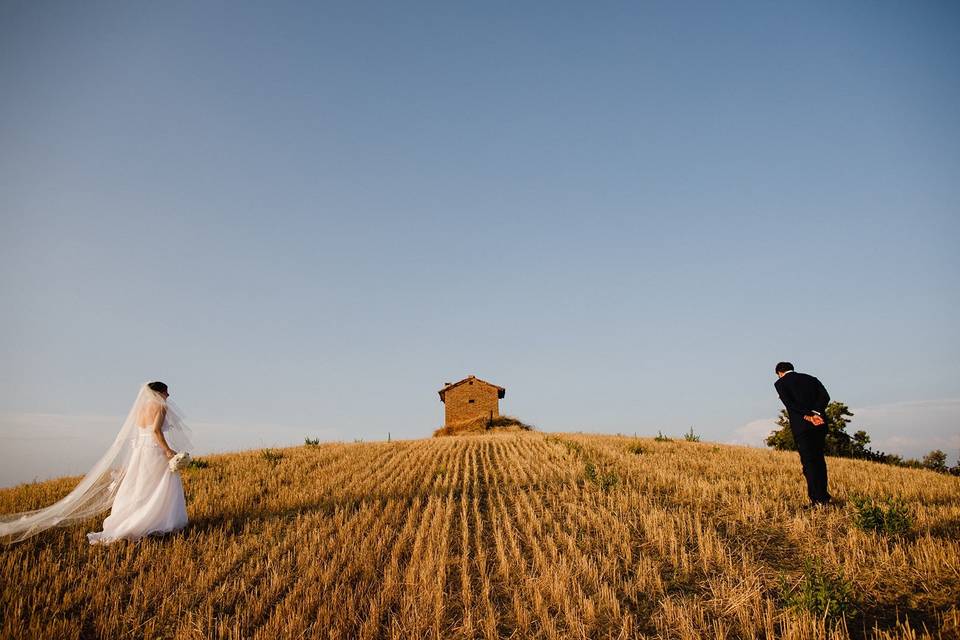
x=459 y=408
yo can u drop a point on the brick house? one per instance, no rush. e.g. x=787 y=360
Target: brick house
x=470 y=399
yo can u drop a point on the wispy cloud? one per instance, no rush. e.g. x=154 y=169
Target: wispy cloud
x=910 y=428
x=53 y=426
x=36 y=446
x=753 y=433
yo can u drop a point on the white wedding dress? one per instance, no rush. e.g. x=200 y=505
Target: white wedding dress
x=132 y=480
x=149 y=498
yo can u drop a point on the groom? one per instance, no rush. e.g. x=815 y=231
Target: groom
x=806 y=401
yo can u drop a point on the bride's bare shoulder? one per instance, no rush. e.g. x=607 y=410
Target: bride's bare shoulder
x=149 y=412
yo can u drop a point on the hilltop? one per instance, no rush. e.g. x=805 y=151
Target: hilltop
x=500 y=424
x=522 y=534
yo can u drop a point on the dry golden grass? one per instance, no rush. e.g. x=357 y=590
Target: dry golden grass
x=521 y=535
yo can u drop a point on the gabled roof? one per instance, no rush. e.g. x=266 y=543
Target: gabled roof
x=500 y=390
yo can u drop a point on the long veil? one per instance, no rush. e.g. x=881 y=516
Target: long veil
x=97 y=489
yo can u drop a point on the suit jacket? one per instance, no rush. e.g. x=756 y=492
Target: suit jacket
x=802 y=394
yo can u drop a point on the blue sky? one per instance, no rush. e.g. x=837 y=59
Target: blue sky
x=307 y=218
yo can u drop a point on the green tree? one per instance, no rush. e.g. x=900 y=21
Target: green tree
x=858 y=445
x=839 y=442
x=782 y=438
x=936 y=460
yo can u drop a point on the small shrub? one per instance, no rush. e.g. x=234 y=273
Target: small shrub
x=198 y=463
x=819 y=591
x=572 y=447
x=605 y=480
x=890 y=517
x=590 y=471
x=483 y=425
x=636 y=447
x=311 y=442
x=508 y=421
x=662 y=438
x=271 y=456
x=440 y=472
x=690 y=436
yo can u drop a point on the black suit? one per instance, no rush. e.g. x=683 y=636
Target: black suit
x=804 y=395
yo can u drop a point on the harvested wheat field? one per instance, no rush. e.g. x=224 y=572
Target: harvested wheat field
x=521 y=535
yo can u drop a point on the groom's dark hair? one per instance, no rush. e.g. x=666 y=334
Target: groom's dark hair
x=783 y=367
x=159 y=387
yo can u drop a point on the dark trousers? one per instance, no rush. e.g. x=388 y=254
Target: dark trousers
x=810 y=444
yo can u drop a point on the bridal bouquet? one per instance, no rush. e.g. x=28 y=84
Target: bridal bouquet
x=179 y=461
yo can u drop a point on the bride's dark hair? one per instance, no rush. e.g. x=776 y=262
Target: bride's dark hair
x=159 y=387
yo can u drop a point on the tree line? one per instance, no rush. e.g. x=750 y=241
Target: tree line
x=841 y=444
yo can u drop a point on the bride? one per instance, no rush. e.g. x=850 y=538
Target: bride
x=133 y=480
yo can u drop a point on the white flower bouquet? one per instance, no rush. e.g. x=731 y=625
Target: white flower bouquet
x=180 y=461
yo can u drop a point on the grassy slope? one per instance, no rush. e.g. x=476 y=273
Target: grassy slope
x=490 y=536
